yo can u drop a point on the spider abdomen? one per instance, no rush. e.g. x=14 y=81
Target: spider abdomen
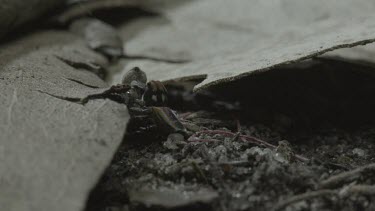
x=155 y=94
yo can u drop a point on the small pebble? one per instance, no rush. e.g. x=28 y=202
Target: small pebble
x=359 y=152
x=191 y=127
x=283 y=152
x=174 y=141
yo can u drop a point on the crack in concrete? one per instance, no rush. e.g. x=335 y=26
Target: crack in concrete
x=82 y=83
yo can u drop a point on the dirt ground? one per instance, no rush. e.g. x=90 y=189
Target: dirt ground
x=229 y=174
x=233 y=161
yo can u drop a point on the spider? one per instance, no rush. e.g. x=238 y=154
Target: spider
x=146 y=102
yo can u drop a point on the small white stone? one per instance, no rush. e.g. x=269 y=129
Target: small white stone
x=359 y=152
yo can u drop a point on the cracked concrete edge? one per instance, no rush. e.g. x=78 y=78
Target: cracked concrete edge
x=204 y=84
x=224 y=55
x=52 y=151
x=214 y=82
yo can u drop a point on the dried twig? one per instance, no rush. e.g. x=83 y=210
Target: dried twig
x=236 y=136
x=185 y=115
x=202 y=140
x=362 y=189
x=247 y=138
x=251 y=139
x=199 y=171
x=345 y=177
x=304 y=196
x=238 y=125
x=352 y=189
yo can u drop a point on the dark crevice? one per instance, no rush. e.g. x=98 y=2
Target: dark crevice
x=80 y=82
x=115 y=14
x=172 y=61
x=92 y=67
x=334 y=93
x=70 y=99
x=79 y=65
x=113 y=93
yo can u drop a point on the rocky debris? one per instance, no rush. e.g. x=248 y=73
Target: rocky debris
x=174 y=141
x=213 y=171
x=359 y=152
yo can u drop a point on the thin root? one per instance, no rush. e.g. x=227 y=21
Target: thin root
x=345 y=177
x=362 y=189
x=304 y=196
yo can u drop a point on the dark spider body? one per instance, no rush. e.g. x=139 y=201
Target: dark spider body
x=155 y=94
x=146 y=104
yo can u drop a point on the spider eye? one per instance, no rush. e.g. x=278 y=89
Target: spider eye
x=155 y=94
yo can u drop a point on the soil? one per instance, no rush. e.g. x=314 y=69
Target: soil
x=234 y=163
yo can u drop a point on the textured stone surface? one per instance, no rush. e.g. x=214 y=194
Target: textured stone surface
x=52 y=151
x=225 y=40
